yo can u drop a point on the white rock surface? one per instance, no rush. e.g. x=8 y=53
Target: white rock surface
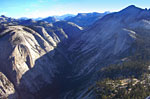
x=20 y=48
x=6 y=87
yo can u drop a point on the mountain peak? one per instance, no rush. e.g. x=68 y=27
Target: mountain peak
x=132 y=7
x=50 y=19
x=3 y=16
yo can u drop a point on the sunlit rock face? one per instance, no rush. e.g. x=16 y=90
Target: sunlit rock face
x=29 y=57
x=21 y=46
x=6 y=87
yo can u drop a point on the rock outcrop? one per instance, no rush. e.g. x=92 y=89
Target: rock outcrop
x=24 y=46
x=6 y=87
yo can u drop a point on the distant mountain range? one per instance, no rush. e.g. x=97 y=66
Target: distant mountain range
x=82 y=19
x=88 y=56
x=87 y=19
x=63 y=17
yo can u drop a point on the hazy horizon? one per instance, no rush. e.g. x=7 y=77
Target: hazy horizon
x=45 y=8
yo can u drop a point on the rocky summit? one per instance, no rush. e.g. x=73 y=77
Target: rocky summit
x=61 y=60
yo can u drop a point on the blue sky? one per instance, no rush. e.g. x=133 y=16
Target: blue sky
x=44 y=8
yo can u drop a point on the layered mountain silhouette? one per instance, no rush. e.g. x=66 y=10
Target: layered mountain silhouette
x=82 y=19
x=60 y=60
x=87 y=19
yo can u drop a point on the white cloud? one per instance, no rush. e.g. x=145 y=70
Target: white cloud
x=3 y=13
x=27 y=9
x=34 y=5
x=43 y=1
x=38 y=13
x=47 y=13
